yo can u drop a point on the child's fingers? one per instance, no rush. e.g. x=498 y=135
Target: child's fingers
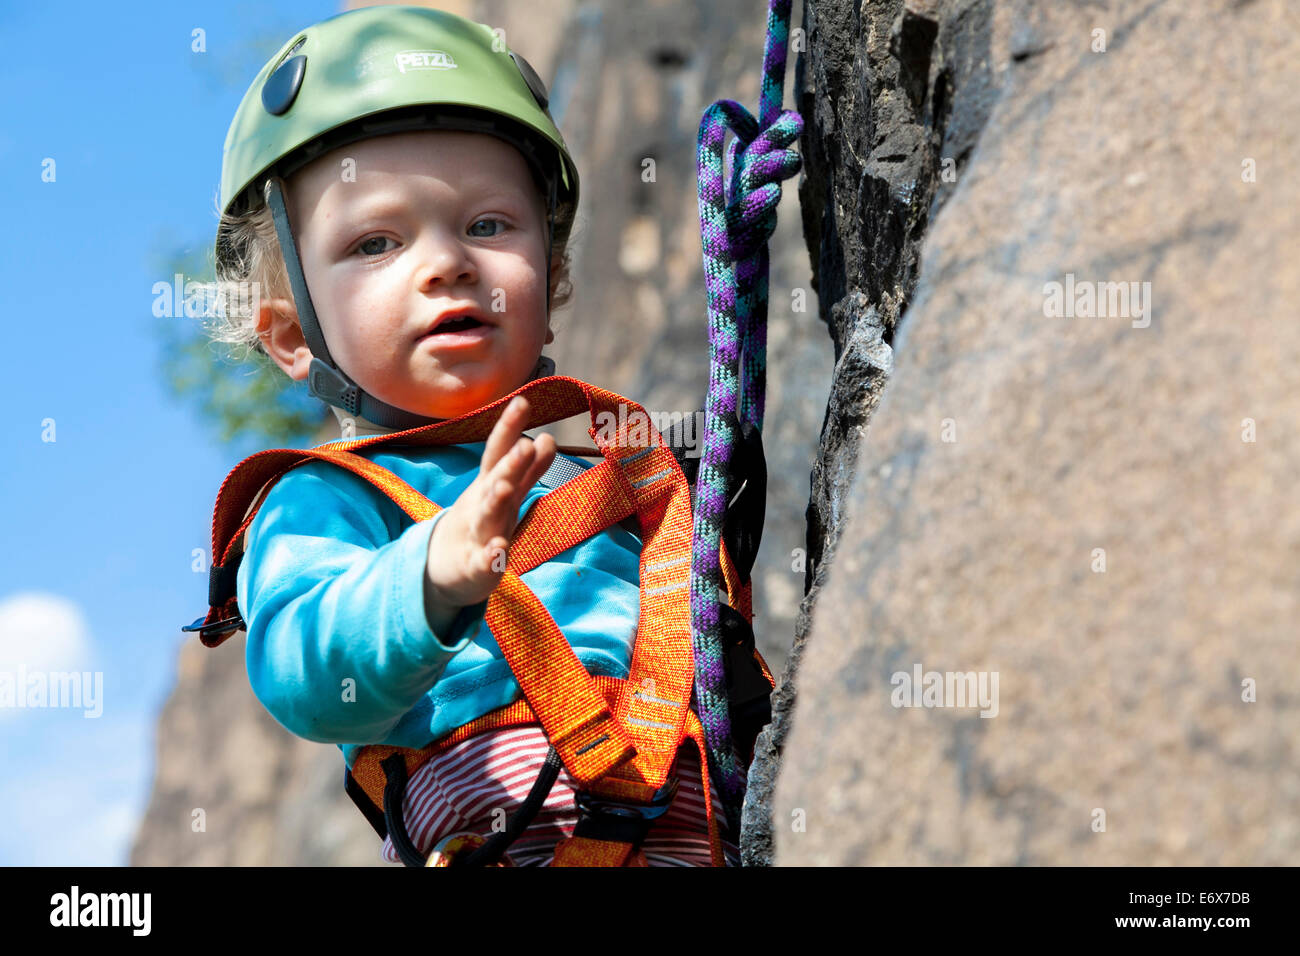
x=498 y=493
x=526 y=463
x=516 y=474
x=513 y=474
x=504 y=433
x=496 y=517
x=514 y=464
x=545 y=445
x=543 y=455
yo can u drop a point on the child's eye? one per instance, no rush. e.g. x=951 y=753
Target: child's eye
x=500 y=222
x=361 y=247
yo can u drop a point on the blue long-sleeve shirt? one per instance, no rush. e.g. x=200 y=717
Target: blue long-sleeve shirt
x=331 y=589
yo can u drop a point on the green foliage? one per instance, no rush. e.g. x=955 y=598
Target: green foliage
x=248 y=401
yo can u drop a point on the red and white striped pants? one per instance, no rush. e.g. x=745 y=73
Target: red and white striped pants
x=481 y=781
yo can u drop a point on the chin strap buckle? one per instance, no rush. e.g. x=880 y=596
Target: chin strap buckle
x=329 y=385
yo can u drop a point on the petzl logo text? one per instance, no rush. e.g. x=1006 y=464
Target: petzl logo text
x=423 y=60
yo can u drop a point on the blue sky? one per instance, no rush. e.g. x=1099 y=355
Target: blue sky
x=100 y=523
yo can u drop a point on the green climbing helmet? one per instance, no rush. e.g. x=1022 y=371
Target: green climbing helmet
x=428 y=68
x=371 y=72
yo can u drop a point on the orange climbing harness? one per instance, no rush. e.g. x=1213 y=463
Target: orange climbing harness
x=617 y=737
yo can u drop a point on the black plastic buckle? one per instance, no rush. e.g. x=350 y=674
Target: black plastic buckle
x=675 y=437
x=606 y=818
x=742 y=521
x=745 y=680
x=749 y=695
x=230 y=624
x=223 y=580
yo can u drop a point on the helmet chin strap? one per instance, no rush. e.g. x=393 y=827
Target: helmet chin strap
x=325 y=379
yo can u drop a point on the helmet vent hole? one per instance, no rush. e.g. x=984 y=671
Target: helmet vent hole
x=297 y=45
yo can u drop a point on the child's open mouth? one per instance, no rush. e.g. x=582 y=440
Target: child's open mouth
x=456 y=325
x=463 y=330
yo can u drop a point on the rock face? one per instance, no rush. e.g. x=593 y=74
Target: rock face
x=1049 y=401
x=234 y=788
x=628 y=84
x=1090 y=501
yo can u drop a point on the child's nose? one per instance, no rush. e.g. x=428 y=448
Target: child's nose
x=444 y=261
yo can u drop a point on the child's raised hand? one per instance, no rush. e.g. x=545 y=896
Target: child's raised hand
x=467 y=551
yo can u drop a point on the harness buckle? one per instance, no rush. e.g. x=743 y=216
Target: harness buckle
x=621 y=821
x=209 y=631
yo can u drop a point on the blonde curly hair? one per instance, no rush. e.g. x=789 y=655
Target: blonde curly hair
x=248 y=257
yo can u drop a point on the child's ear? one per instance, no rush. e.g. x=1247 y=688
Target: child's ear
x=281 y=335
x=550 y=335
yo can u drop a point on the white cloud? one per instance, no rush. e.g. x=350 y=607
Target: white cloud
x=44 y=632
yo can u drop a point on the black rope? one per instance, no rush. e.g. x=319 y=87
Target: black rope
x=394 y=791
x=497 y=844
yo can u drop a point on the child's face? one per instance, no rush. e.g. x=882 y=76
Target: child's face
x=393 y=232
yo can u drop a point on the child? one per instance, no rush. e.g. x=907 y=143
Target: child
x=431 y=247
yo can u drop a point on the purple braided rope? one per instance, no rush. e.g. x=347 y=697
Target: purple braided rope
x=736 y=220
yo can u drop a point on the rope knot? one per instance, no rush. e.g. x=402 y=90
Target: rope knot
x=763 y=163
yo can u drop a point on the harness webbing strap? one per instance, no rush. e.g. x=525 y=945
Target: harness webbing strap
x=252 y=479
x=618 y=741
x=554 y=525
x=559 y=689
x=558 y=397
x=368 y=773
x=655 y=700
x=566 y=701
